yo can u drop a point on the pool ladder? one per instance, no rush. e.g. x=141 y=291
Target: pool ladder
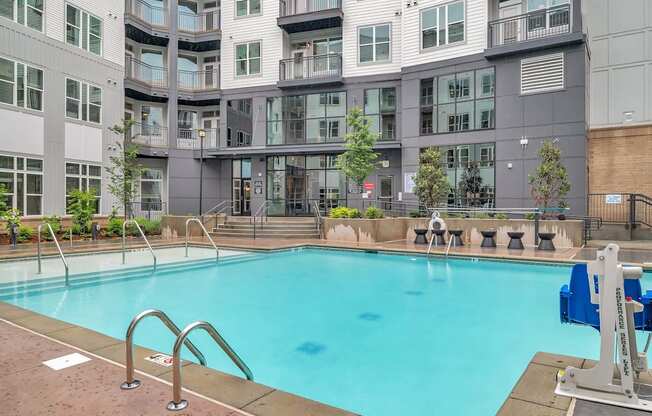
x=142 y=234
x=54 y=238
x=177 y=402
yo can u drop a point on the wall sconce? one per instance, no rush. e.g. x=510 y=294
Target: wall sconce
x=524 y=142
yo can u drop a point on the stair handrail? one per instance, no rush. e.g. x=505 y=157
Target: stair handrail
x=198 y=221
x=124 y=240
x=260 y=212
x=54 y=237
x=317 y=213
x=131 y=382
x=177 y=402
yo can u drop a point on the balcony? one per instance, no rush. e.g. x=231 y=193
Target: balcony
x=305 y=15
x=189 y=139
x=152 y=15
x=149 y=135
x=540 y=29
x=200 y=23
x=198 y=80
x=139 y=71
x=310 y=70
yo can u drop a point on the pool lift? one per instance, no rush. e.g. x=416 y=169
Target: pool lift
x=435 y=218
x=607 y=296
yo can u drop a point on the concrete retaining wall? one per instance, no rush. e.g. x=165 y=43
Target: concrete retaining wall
x=173 y=226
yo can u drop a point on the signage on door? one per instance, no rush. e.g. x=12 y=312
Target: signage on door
x=258 y=187
x=369 y=186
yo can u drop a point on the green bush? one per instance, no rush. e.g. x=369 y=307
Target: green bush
x=82 y=207
x=12 y=216
x=501 y=216
x=529 y=216
x=344 y=212
x=55 y=223
x=373 y=213
x=150 y=227
x=481 y=216
x=415 y=214
x=114 y=226
x=25 y=233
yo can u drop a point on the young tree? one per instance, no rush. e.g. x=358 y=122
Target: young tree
x=470 y=185
x=431 y=184
x=124 y=169
x=549 y=184
x=3 y=200
x=82 y=207
x=359 y=159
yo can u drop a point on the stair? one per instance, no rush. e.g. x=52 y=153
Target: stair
x=273 y=227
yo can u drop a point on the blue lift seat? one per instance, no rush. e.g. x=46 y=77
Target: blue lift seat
x=575 y=305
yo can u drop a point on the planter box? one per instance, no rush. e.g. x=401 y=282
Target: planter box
x=569 y=233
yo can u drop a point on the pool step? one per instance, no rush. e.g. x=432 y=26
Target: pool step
x=242 y=227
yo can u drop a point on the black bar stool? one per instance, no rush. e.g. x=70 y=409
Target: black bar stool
x=438 y=236
x=488 y=240
x=421 y=236
x=515 y=242
x=545 y=242
x=456 y=235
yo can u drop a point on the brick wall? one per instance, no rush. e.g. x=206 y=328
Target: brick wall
x=620 y=160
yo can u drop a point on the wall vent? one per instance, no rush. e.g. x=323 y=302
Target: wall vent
x=543 y=73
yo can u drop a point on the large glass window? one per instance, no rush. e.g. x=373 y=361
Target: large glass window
x=24 y=12
x=374 y=44
x=300 y=119
x=380 y=110
x=22 y=179
x=239 y=123
x=442 y=25
x=83 y=101
x=83 y=30
x=247 y=7
x=84 y=177
x=458 y=102
x=151 y=188
x=21 y=85
x=247 y=58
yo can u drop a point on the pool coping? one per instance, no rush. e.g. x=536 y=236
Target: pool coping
x=235 y=392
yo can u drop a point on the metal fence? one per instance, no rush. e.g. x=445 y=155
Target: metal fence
x=149 y=135
x=190 y=139
x=153 y=15
x=534 y=25
x=292 y=7
x=140 y=71
x=621 y=208
x=152 y=209
x=315 y=67
x=199 y=80
x=204 y=22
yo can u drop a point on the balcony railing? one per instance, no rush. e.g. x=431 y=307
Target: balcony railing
x=151 y=135
x=293 y=7
x=151 y=208
x=153 y=15
x=199 y=23
x=199 y=80
x=534 y=25
x=316 y=67
x=140 y=71
x=189 y=139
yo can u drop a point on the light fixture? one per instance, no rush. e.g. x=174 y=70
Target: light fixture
x=524 y=142
x=202 y=133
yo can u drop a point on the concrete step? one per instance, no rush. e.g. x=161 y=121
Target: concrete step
x=270 y=226
x=263 y=234
x=275 y=220
x=266 y=231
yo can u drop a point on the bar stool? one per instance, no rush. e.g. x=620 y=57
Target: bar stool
x=488 y=240
x=515 y=242
x=438 y=236
x=456 y=235
x=545 y=242
x=421 y=236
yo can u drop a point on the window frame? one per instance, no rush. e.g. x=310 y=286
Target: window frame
x=84 y=91
x=374 y=44
x=25 y=86
x=382 y=113
x=248 y=9
x=248 y=59
x=437 y=9
x=24 y=171
x=84 y=36
x=83 y=177
x=26 y=5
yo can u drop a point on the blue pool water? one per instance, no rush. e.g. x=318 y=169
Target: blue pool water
x=376 y=334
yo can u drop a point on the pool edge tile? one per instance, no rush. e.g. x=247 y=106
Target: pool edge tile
x=280 y=403
x=116 y=353
x=83 y=338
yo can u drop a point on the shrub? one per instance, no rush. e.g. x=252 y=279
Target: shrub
x=373 y=213
x=344 y=212
x=501 y=216
x=529 y=216
x=25 y=233
x=481 y=215
x=150 y=227
x=55 y=223
x=82 y=207
x=415 y=214
x=114 y=226
x=12 y=217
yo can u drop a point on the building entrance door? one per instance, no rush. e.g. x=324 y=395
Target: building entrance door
x=241 y=187
x=385 y=192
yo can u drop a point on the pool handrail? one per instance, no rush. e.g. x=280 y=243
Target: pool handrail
x=131 y=382
x=124 y=240
x=54 y=237
x=177 y=403
x=217 y=210
x=198 y=221
x=318 y=219
x=450 y=242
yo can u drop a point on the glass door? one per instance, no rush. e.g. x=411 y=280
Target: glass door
x=386 y=193
x=241 y=189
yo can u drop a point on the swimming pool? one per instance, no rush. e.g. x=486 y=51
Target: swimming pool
x=376 y=334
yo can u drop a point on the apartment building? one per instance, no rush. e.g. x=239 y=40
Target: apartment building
x=620 y=137
x=61 y=88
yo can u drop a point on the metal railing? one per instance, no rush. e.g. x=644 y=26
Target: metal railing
x=190 y=139
x=153 y=15
x=154 y=76
x=56 y=242
x=621 y=208
x=131 y=382
x=292 y=7
x=534 y=25
x=397 y=208
x=315 y=67
x=151 y=135
x=142 y=234
x=261 y=213
x=198 y=80
x=317 y=213
x=204 y=22
x=177 y=402
x=153 y=209
x=198 y=221
x=218 y=209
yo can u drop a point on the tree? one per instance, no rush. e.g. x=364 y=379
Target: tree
x=124 y=169
x=3 y=200
x=470 y=186
x=82 y=207
x=359 y=159
x=431 y=184
x=549 y=184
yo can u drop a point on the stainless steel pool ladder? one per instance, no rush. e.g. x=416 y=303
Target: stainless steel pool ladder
x=54 y=237
x=131 y=382
x=450 y=242
x=124 y=240
x=177 y=402
x=198 y=221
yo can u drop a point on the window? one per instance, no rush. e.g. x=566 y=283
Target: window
x=151 y=185
x=83 y=177
x=542 y=73
x=312 y=118
x=83 y=30
x=442 y=25
x=247 y=7
x=24 y=12
x=21 y=85
x=374 y=44
x=83 y=101
x=239 y=123
x=23 y=180
x=247 y=59
x=458 y=102
x=380 y=110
